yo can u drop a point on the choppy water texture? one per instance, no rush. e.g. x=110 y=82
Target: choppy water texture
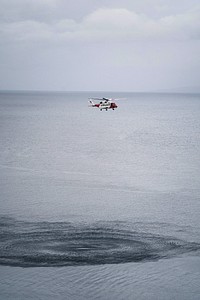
x=36 y=244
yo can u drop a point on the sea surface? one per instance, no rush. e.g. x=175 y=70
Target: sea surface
x=99 y=205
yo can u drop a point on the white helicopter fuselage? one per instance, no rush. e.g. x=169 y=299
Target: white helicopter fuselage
x=104 y=105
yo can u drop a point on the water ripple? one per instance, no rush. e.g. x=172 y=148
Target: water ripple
x=40 y=244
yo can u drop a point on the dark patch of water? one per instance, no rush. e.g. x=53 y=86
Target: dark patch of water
x=40 y=244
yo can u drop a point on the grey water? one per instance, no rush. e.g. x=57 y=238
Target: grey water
x=99 y=205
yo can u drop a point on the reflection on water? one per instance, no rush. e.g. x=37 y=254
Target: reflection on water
x=29 y=244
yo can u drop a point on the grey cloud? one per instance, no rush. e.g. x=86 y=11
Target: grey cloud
x=54 y=10
x=102 y=45
x=20 y=10
x=107 y=24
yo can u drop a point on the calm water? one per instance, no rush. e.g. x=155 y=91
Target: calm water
x=105 y=203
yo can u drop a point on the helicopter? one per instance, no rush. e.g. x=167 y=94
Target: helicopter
x=105 y=103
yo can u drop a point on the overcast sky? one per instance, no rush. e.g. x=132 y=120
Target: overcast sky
x=89 y=45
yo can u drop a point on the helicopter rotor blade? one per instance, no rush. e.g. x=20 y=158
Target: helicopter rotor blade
x=94 y=98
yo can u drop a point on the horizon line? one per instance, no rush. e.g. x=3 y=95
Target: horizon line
x=164 y=91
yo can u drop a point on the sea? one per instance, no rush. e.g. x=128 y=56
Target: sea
x=99 y=204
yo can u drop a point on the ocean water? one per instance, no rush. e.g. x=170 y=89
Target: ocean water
x=99 y=205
